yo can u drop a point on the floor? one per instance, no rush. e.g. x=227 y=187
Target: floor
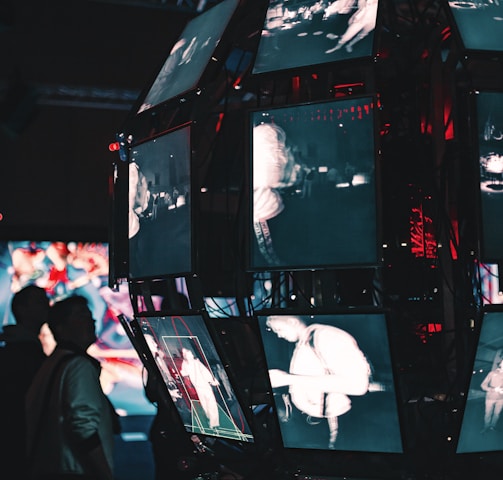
x=133 y=455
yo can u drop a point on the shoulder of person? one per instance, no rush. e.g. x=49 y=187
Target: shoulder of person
x=330 y=333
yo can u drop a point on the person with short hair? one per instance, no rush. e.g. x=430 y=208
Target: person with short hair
x=326 y=367
x=70 y=421
x=20 y=358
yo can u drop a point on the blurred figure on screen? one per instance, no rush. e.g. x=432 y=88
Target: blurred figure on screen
x=20 y=358
x=172 y=71
x=326 y=367
x=493 y=386
x=160 y=360
x=139 y=196
x=203 y=381
x=339 y=7
x=274 y=168
x=153 y=224
x=28 y=266
x=360 y=24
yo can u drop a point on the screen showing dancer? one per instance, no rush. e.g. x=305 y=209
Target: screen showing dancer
x=332 y=381
x=190 y=55
x=300 y=34
x=313 y=196
x=481 y=426
x=195 y=376
x=159 y=218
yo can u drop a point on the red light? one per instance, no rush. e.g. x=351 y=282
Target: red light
x=219 y=122
x=114 y=147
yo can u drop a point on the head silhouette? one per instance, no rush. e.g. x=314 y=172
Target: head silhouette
x=71 y=321
x=30 y=307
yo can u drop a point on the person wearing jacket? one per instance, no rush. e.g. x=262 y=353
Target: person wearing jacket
x=21 y=355
x=70 y=421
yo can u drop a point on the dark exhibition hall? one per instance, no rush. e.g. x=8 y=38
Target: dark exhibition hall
x=285 y=218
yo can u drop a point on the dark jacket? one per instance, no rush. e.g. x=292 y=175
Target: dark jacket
x=20 y=358
x=68 y=415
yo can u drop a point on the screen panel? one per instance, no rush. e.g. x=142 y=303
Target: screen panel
x=189 y=57
x=332 y=381
x=479 y=24
x=481 y=425
x=313 y=186
x=195 y=376
x=79 y=268
x=317 y=33
x=489 y=107
x=159 y=217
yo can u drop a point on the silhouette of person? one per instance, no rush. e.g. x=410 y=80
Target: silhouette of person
x=70 y=421
x=326 y=367
x=20 y=358
x=493 y=386
x=203 y=381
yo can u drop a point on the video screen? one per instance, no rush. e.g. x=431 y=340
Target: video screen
x=299 y=34
x=481 y=428
x=488 y=276
x=190 y=55
x=479 y=23
x=332 y=381
x=79 y=268
x=159 y=214
x=313 y=186
x=195 y=376
x=490 y=141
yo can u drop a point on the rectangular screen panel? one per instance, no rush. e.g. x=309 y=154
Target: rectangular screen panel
x=63 y=269
x=300 y=34
x=190 y=55
x=160 y=229
x=481 y=425
x=490 y=141
x=332 y=381
x=489 y=278
x=195 y=376
x=313 y=186
x=479 y=24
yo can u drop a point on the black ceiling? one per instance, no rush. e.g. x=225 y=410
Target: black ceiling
x=70 y=73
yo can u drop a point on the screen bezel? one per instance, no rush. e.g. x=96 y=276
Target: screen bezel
x=342 y=312
x=213 y=338
x=251 y=248
x=191 y=197
x=322 y=65
x=118 y=236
